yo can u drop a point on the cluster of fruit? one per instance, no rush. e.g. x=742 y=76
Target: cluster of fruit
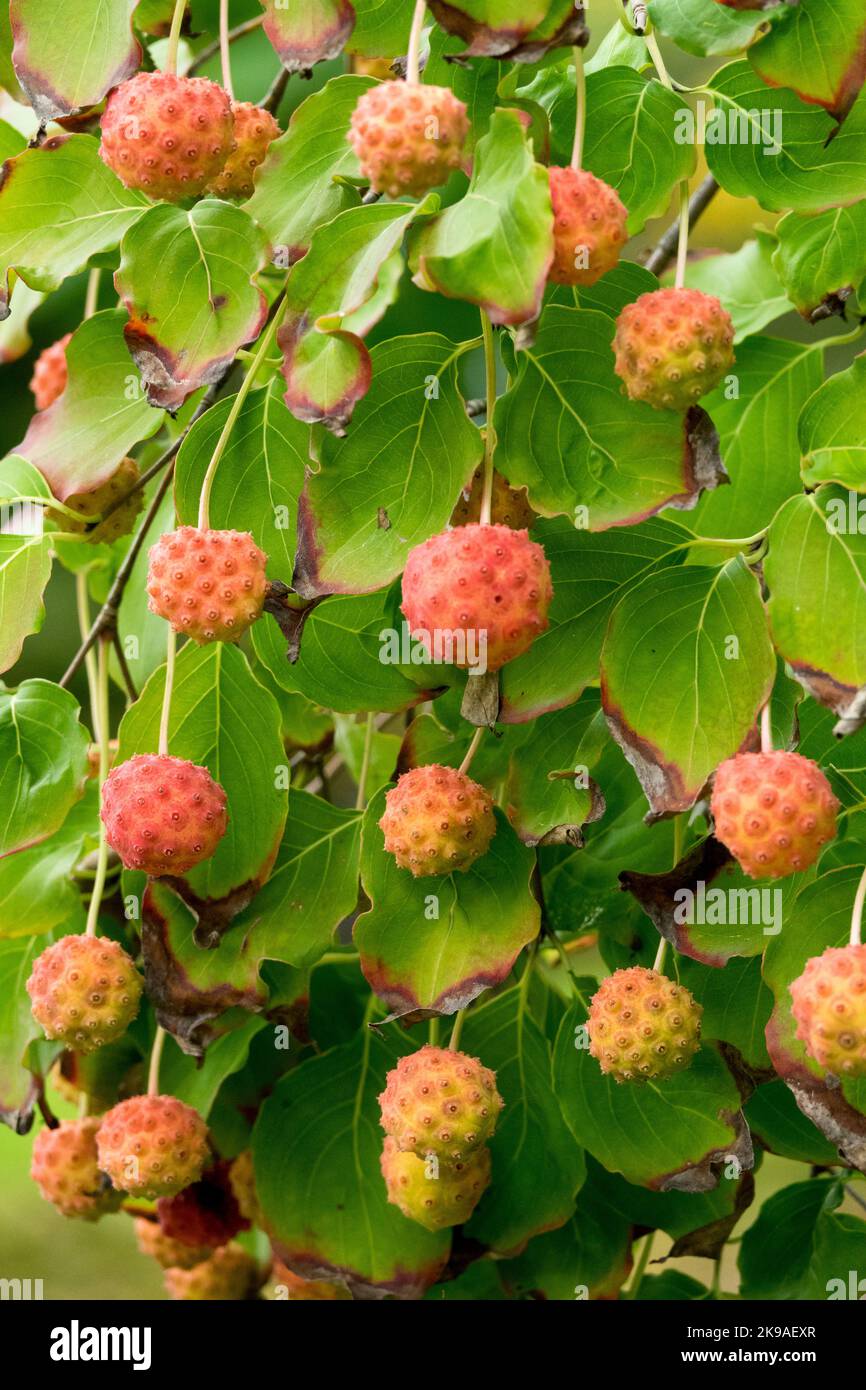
x=439 y=1109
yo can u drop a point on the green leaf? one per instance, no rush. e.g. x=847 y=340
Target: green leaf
x=313 y=885
x=36 y=891
x=60 y=205
x=537 y=1165
x=15 y=338
x=495 y=245
x=543 y=803
x=832 y=430
x=393 y=481
x=616 y=461
x=745 y=281
x=341 y=288
x=187 y=322
x=197 y=1082
x=260 y=474
x=475 y=83
x=18 y=1028
x=590 y=574
x=589 y=1257
x=705 y=27
x=777 y=1249
x=340 y=666
x=821 y=258
x=381 y=29
x=25 y=568
x=819 y=49
x=222 y=719
x=437 y=942
x=308 y=34
x=816 y=573
x=736 y=1004
x=43 y=762
x=781 y=1128
x=685 y=667
x=302 y=182
x=774 y=380
x=316 y=1150
x=141 y=632
x=523 y=30
x=664 y=1135
x=78 y=441
x=61 y=75
x=775 y=147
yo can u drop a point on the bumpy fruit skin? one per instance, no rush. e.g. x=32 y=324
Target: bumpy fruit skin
x=642 y=1026
x=509 y=505
x=488 y=583
x=446 y=1199
x=437 y=821
x=162 y=815
x=243 y=1185
x=672 y=347
x=229 y=1274
x=66 y=1169
x=291 y=1288
x=84 y=991
x=589 y=223
x=171 y=1254
x=205 y=1213
x=167 y=136
x=91 y=504
x=408 y=137
x=829 y=1006
x=50 y=373
x=773 y=811
x=210 y=585
x=440 y=1102
x=152 y=1146
x=255 y=128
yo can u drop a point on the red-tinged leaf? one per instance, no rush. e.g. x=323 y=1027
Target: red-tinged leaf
x=307 y=33
x=187 y=322
x=431 y=945
x=60 y=74
x=517 y=30
x=817 y=48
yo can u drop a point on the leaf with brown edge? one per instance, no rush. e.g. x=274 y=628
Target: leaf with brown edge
x=815 y=568
x=78 y=441
x=60 y=76
x=520 y=31
x=18 y=1028
x=431 y=945
x=336 y=294
x=818 y=49
x=549 y=793
x=819 y=917
x=618 y=461
x=308 y=33
x=316 y=1150
x=187 y=322
x=191 y=988
x=675 y=1135
x=685 y=667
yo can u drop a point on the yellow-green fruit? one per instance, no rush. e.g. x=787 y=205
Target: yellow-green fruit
x=230 y=1274
x=170 y=1253
x=66 y=1169
x=642 y=1026
x=442 y=1102
x=93 y=504
x=829 y=1007
x=434 y=1194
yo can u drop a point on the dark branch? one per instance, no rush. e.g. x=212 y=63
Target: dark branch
x=212 y=49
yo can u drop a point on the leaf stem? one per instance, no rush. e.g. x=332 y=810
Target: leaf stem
x=658 y=963
x=413 y=57
x=857 y=912
x=174 y=37
x=225 y=53
x=155 y=1059
x=91 y=299
x=83 y=604
x=360 y=799
x=683 y=239
x=102 y=721
x=766 y=730
x=454 y=1040
x=580 y=111
x=553 y=938
x=237 y=407
x=433 y=1032
x=472 y=749
x=170 y=650
x=640 y=1267
x=489 y=435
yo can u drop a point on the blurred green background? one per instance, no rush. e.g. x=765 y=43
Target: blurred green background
x=78 y=1260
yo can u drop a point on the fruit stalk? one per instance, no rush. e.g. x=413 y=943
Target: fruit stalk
x=155 y=1059
x=225 y=52
x=101 y=722
x=489 y=436
x=174 y=37
x=580 y=112
x=170 y=650
x=413 y=56
x=857 y=912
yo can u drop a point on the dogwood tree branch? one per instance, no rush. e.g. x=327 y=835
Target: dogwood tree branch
x=660 y=258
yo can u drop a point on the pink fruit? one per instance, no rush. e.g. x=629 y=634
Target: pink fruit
x=210 y=585
x=85 y=991
x=167 y=136
x=163 y=815
x=437 y=821
x=672 y=347
x=408 y=137
x=773 y=811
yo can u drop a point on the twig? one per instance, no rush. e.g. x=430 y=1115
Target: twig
x=277 y=92
x=205 y=54
x=659 y=259
x=125 y=672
